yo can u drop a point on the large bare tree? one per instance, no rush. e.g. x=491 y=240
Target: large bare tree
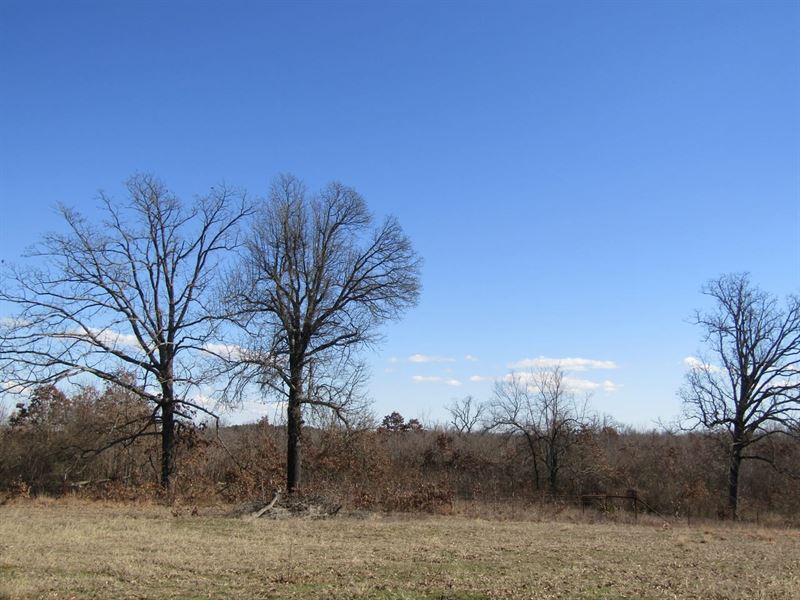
x=316 y=281
x=131 y=294
x=466 y=414
x=749 y=388
x=539 y=406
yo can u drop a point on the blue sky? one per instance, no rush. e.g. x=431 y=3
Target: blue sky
x=571 y=172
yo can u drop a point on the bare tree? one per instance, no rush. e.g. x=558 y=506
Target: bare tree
x=466 y=414
x=539 y=406
x=513 y=410
x=316 y=281
x=129 y=295
x=750 y=389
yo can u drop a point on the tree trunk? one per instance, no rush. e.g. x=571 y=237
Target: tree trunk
x=167 y=422
x=733 y=477
x=294 y=424
x=532 y=448
x=553 y=473
x=167 y=443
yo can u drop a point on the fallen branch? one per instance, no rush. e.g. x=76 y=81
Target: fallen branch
x=76 y=485
x=258 y=513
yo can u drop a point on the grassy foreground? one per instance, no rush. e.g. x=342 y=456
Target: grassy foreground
x=76 y=549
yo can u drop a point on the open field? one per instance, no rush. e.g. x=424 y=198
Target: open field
x=78 y=549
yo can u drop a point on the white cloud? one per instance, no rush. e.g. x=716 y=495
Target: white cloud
x=424 y=358
x=479 y=378
x=471 y=358
x=227 y=351
x=7 y=386
x=584 y=385
x=610 y=386
x=435 y=379
x=568 y=363
x=204 y=400
x=695 y=363
x=10 y=323
x=115 y=338
x=574 y=384
x=108 y=337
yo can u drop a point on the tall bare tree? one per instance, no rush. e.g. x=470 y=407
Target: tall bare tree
x=539 y=405
x=465 y=414
x=750 y=387
x=129 y=295
x=316 y=281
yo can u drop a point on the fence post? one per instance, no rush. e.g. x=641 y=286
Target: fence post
x=634 y=498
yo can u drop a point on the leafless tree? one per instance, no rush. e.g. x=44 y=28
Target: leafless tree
x=538 y=405
x=750 y=387
x=131 y=294
x=316 y=281
x=466 y=414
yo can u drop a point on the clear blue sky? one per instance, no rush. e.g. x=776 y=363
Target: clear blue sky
x=571 y=172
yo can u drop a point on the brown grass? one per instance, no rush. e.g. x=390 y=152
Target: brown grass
x=66 y=549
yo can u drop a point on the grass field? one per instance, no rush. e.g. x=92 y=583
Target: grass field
x=72 y=549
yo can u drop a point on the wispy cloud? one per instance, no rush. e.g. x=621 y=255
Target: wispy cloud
x=111 y=338
x=204 y=400
x=11 y=323
x=471 y=358
x=574 y=384
x=116 y=340
x=479 y=378
x=6 y=386
x=226 y=351
x=695 y=363
x=425 y=358
x=435 y=379
x=567 y=363
x=584 y=385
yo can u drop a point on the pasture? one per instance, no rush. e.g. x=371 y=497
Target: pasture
x=77 y=549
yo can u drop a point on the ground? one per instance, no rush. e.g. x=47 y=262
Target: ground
x=73 y=549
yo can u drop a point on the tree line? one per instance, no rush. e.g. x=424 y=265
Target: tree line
x=142 y=312
x=162 y=298
x=391 y=463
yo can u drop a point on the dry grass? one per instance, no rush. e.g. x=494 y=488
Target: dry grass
x=77 y=549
